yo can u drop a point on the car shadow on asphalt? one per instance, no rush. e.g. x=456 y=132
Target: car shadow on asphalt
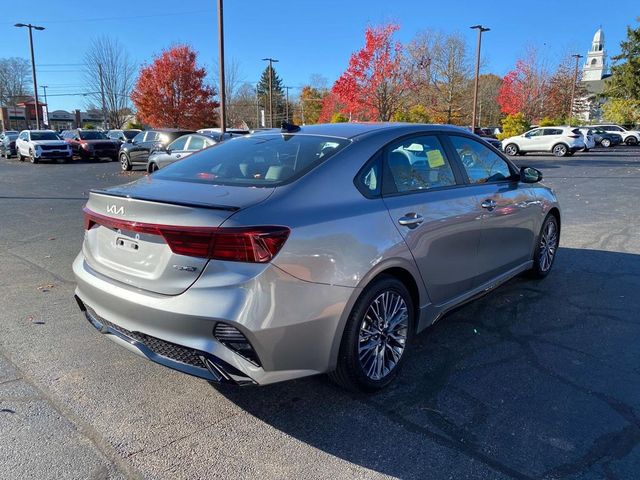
x=538 y=379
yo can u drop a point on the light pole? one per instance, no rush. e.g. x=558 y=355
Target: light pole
x=287 y=104
x=573 y=86
x=271 y=62
x=33 y=66
x=480 y=29
x=223 y=94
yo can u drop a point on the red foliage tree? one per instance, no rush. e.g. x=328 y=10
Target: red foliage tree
x=524 y=88
x=330 y=106
x=374 y=84
x=171 y=92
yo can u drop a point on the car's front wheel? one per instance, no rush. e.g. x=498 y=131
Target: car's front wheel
x=375 y=337
x=511 y=149
x=545 y=253
x=153 y=167
x=125 y=163
x=32 y=157
x=606 y=143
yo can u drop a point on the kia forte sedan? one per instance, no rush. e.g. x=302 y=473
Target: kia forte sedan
x=314 y=249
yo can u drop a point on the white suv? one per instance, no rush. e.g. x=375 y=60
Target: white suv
x=39 y=145
x=560 y=141
x=630 y=137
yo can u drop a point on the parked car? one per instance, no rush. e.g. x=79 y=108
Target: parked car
x=234 y=132
x=588 y=139
x=604 y=138
x=629 y=137
x=90 y=144
x=123 y=136
x=494 y=142
x=8 y=144
x=280 y=255
x=137 y=150
x=560 y=141
x=37 y=145
x=179 y=149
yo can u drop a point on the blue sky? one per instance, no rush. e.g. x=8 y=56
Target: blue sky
x=307 y=37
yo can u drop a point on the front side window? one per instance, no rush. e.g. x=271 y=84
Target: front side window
x=23 y=136
x=418 y=163
x=534 y=133
x=151 y=137
x=553 y=131
x=481 y=164
x=256 y=161
x=178 y=144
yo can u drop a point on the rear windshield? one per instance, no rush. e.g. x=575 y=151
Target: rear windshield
x=257 y=161
x=92 y=135
x=44 y=136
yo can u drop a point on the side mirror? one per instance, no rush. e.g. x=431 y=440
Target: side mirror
x=530 y=175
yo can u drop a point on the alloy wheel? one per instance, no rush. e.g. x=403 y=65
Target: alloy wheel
x=511 y=150
x=548 y=245
x=559 y=150
x=605 y=142
x=383 y=335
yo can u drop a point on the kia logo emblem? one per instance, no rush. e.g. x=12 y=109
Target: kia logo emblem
x=116 y=210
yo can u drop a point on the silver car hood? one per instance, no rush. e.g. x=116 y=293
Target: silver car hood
x=190 y=193
x=55 y=143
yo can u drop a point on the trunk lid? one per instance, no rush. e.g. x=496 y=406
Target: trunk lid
x=115 y=246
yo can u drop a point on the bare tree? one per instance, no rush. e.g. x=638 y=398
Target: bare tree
x=118 y=77
x=15 y=80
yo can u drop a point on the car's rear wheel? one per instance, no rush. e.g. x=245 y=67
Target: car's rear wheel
x=511 y=149
x=20 y=156
x=375 y=337
x=125 y=163
x=545 y=253
x=560 y=150
x=631 y=141
x=605 y=142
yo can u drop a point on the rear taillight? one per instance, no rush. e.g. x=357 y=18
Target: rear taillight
x=237 y=244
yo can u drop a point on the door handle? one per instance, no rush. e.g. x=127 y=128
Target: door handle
x=411 y=220
x=489 y=204
x=177 y=155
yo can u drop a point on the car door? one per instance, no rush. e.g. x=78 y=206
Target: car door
x=533 y=141
x=438 y=217
x=140 y=146
x=22 y=144
x=510 y=209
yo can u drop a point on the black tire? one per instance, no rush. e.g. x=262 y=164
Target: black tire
x=606 y=143
x=560 y=150
x=541 y=268
x=20 y=156
x=585 y=149
x=631 y=141
x=32 y=157
x=125 y=163
x=153 y=167
x=511 y=149
x=350 y=372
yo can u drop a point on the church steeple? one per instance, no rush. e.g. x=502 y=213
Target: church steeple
x=596 y=64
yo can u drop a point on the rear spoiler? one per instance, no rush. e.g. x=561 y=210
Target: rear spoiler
x=168 y=202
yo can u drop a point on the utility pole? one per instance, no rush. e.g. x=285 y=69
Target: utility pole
x=223 y=94
x=271 y=62
x=573 y=86
x=33 y=67
x=257 y=108
x=480 y=29
x=104 y=107
x=287 y=104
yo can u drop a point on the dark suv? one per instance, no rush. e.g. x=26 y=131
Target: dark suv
x=88 y=144
x=137 y=150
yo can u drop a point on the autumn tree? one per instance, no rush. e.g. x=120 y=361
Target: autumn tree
x=331 y=105
x=374 y=84
x=311 y=101
x=557 y=105
x=171 y=92
x=488 y=109
x=524 y=88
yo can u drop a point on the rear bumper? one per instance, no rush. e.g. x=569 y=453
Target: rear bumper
x=292 y=325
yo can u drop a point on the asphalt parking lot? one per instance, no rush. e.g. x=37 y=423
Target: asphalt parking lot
x=535 y=380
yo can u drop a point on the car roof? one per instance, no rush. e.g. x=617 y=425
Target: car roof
x=350 y=130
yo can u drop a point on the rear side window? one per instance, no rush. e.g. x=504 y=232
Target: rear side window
x=481 y=163
x=553 y=131
x=418 y=163
x=260 y=160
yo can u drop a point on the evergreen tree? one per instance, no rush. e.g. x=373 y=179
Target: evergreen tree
x=277 y=95
x=624 y=82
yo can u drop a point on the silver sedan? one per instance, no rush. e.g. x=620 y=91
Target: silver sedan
x=324 y=248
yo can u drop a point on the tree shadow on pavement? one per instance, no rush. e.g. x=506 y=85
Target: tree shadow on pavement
x=538 y=379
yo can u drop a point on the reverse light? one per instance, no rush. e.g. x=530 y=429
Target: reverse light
x=236 y=244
